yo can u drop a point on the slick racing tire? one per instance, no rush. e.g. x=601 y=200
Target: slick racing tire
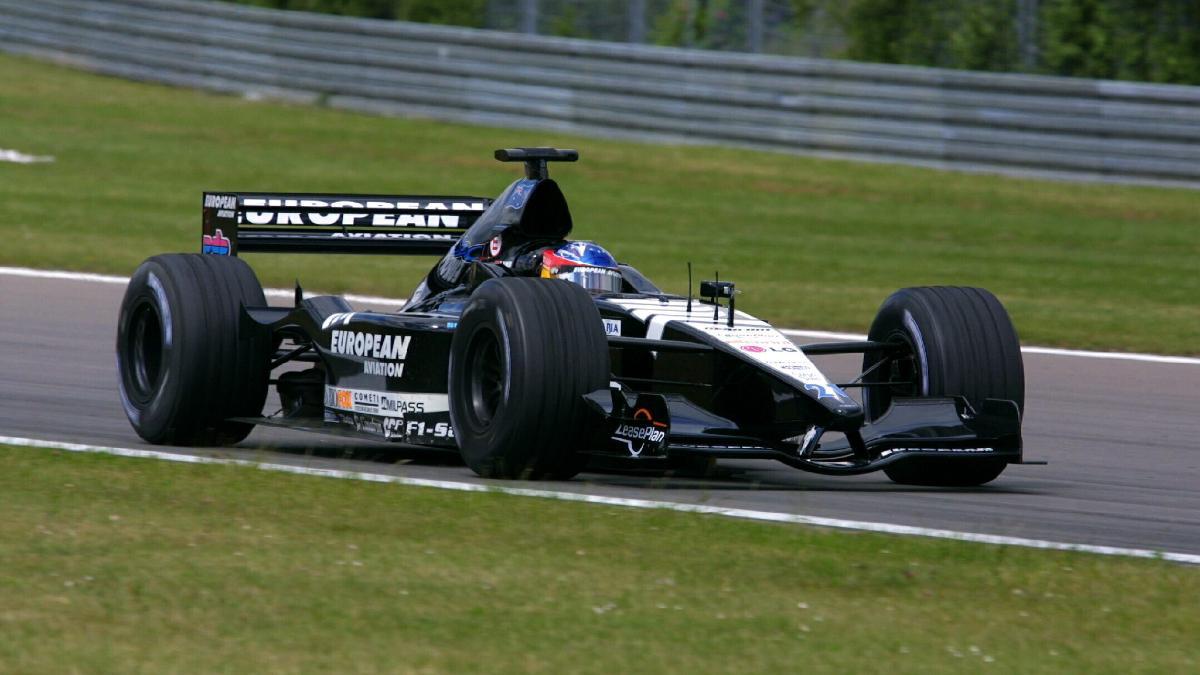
x=958 y=342
x=185 y=364
x=523 y=355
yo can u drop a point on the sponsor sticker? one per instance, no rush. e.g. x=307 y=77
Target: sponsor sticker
x=520 y=193
x=948 y=451
x=612 y=326
x=829 y=390
x=642 y=433
x=216 y=243
x=387 y=403
x=212 y=201
x=336 y=318
x=384 y=354
x=274 y=211
x=494 y=246
x=369 y=345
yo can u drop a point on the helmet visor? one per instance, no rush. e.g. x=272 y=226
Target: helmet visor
x=592 y=278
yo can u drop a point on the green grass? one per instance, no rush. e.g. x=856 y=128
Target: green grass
x=124 y=565
x=811 y=242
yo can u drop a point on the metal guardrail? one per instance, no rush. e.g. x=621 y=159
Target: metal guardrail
x=1090 y=129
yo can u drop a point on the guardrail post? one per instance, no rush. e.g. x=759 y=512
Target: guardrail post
x=754 y=26
x=1027 y=20
x=637 y=21
x=529 y=16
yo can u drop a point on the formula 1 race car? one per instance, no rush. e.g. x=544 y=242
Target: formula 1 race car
x=530 y=354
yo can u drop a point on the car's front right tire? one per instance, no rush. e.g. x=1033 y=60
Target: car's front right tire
x=955 y=341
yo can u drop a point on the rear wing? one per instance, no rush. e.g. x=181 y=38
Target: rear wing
x=235 y=222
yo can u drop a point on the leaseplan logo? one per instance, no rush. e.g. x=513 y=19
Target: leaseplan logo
x=216 y=244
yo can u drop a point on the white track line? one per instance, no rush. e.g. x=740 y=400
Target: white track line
x=113 y=279
x=1026 y=349
x=768 y=516
x=817 y=334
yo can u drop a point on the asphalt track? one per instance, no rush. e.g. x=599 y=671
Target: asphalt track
x=1120 y=436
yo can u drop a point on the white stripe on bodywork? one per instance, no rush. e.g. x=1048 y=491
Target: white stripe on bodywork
x=754 y=338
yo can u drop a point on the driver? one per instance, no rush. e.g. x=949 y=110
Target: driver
x=583 y=263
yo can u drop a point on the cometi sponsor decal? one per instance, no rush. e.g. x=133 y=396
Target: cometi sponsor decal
x=215 y=244
x=386 y=403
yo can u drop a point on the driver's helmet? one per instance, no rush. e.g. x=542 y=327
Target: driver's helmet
x=584 y=263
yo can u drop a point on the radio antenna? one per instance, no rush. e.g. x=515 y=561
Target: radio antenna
x=716 y=296
x=729 y=315
x=689 y=287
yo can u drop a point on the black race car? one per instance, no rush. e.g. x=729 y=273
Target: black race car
x=529 y=354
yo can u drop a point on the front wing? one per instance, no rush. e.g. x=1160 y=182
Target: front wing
x=664 y=425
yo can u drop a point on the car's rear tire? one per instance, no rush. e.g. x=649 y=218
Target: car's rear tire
x=185 y=364
x=523 y=355
x=959 y=342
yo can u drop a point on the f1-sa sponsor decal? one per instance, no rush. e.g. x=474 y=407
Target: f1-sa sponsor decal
x=416 y=429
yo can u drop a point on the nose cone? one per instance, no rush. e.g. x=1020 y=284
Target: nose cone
x=847 y=413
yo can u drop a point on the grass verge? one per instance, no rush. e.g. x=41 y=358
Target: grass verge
x=812 y=243
x=125 y=565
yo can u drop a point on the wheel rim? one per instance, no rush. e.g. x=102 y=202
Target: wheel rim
x=144 y=351
x=485 y=368
x=904 y=368
x=900 y=368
